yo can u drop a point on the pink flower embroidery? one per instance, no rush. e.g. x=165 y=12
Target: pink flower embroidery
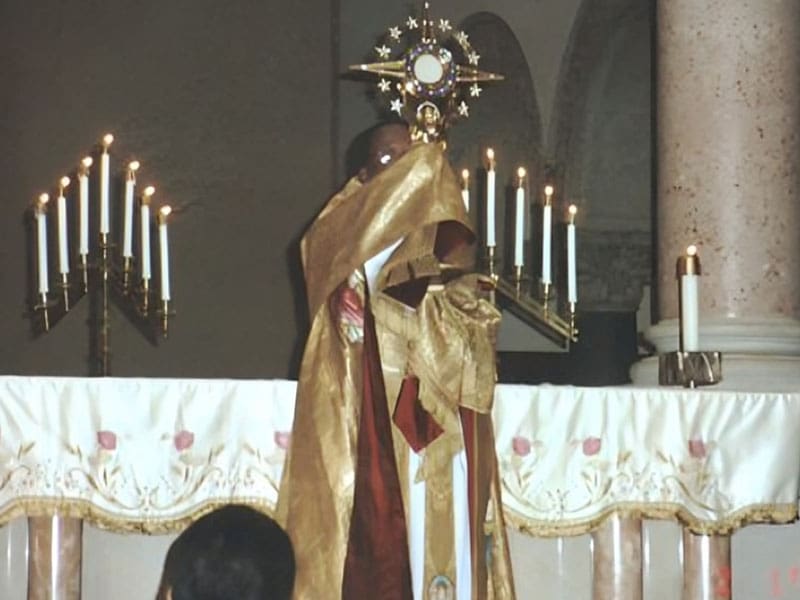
x=282 y=439
x=697 y=448
x=521 y=446
x=107 y=440
x=591 y=446
x=183 y=440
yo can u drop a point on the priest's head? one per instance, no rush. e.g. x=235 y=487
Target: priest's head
x=386 y=143
x=233 y=552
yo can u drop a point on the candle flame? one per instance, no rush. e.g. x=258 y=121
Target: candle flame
x=64 y=181
x=108 y=139
x=149 y=190
x=691 y=250
x=165 y=210
x=521 y=172
x=87 y=161
x=548 y=190
x=44 y=199
x=465 y=174
x=573 y=210
x=490 y=154
x=133 y=165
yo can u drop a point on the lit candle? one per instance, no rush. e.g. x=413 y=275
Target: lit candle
x=688 y=273
x=572 y=273
x=465 y=188
x=127 y=230
x=41 y=239
x=83 y=206
x=519 y=220
x=104 y=184
x=490 y=185
x=63 y=255
x=145 y=215
x=163 y=247
x=547 y=225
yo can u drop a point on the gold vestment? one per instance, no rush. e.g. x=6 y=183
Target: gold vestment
x=446 y=341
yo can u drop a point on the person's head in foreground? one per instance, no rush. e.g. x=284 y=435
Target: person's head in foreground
x=233 y=553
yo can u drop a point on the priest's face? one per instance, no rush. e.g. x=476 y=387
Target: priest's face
x=388 y=143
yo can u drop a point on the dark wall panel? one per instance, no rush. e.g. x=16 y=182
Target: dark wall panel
x=228 y=106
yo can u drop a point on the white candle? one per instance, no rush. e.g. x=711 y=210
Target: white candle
x=519 y=221
x=83 y=206
x=63 y=254
x=163 y=246
x=465 y=188
x=41 y=239
x=572 y=273
x=145 y=222
x=105 y=183
x=127 y=224
x=490 y=185
x=547 y=226
x=689 y=314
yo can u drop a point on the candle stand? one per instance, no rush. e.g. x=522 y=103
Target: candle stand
x=105 y=279
x=690 y=369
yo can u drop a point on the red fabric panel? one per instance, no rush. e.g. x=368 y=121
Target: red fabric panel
x=377 y=563
x=416 y=424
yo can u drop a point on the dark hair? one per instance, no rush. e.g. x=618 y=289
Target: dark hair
x=234 y=552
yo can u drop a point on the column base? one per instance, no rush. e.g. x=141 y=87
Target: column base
x=759 y=355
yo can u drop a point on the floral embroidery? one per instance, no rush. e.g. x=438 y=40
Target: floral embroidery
x=521 y=446
x=107 y=440
x=697 y=448
x=183 y=440
x=282 y=439
x=348 y=307
x=591 y=446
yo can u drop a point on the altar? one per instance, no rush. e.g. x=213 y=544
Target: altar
x=581 y=469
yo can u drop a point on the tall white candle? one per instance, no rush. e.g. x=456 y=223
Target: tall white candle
x=572 y=273
x=145 y=231
x=519 y=221
x=163 y=246
x=83 y=206
x=41 y=242
x=547 y=226
x=689 y=313
x=105 y=183
x=490 y=201
x=127 y=223
x=465 y=188
x=63 y=253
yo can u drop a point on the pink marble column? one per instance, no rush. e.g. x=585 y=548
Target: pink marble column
x=54 y=558
x=728 y=122
x=617 y=560
x=706 y=567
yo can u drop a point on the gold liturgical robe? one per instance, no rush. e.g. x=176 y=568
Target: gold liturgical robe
x=446 y=341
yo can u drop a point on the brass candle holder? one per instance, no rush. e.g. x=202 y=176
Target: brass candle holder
x=689 y=367
x=107 y=277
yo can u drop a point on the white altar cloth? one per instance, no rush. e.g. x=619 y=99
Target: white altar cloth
x=148 y=454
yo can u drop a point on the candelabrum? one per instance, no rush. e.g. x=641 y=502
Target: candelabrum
x=110 y=273
x=689 y=366
x=534 y=301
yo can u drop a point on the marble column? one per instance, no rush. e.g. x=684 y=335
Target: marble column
x=54 y=558
x=707 y=567
x=617 y=560
x=728 y=121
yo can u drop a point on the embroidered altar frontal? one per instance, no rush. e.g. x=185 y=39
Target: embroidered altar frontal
x=150 y=454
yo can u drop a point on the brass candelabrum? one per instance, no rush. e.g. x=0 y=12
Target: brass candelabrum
x=109 y=275
x=533 y=302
